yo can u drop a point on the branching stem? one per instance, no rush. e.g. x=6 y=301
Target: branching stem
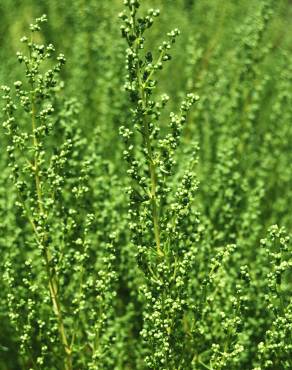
x=52 y=277
x=151 y=166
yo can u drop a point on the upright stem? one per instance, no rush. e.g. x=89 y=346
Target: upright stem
x=53 y=285
x=151 y=162
x=151 y=166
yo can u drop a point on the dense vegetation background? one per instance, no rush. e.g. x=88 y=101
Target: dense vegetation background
x=222 y=303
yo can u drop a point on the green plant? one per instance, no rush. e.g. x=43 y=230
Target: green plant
x=45 y=295
x=159 y=218
x=134 y=225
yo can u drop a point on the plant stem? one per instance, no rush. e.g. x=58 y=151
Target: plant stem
x=152 y=168
x=53 y=285
x=151 y=162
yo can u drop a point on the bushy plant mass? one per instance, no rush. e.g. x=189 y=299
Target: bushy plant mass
x=146 y=185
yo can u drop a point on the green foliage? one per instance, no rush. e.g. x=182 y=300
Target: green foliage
x=135 y=225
